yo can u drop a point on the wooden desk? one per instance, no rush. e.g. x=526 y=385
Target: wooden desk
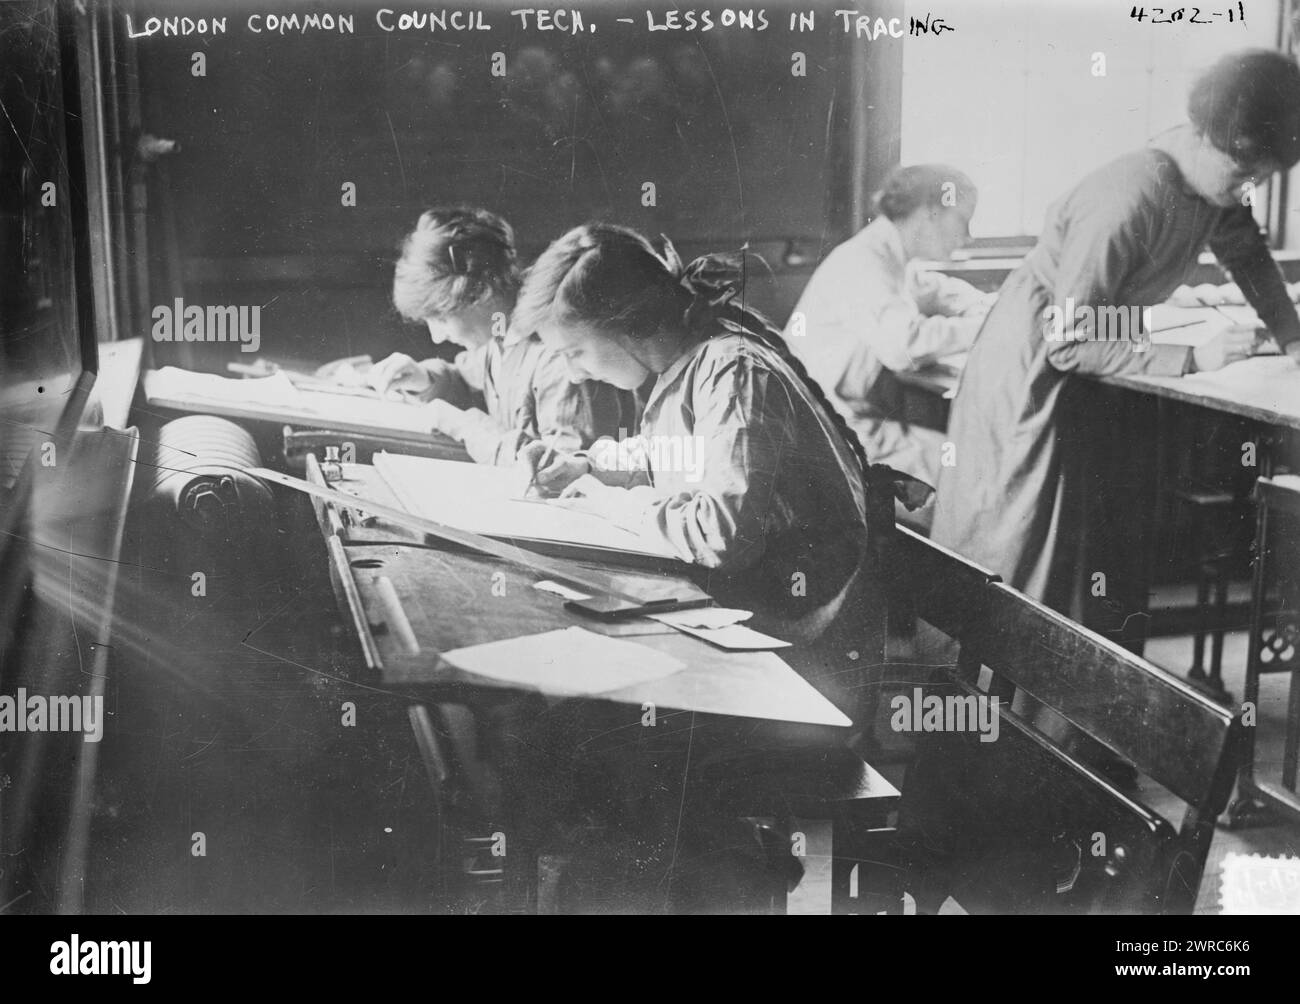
x=928 y=393
x=449 y=600
x=389 y=421
x=452 y=599
x=1262 y=388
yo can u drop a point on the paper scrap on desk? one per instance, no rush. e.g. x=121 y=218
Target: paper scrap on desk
x=735 y=638
x=548 y=586
x=571 y=662
x=704 y=617
x=721 y=626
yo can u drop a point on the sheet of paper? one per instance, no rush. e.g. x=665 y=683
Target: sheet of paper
x=571 y=662
x=172 y=382
x=275 y=398
x=721 y=626
x=1171 y=325
x=704 y=617
x=486 y=500
x=735 y=638
x=547 y=586
x=1266 y=381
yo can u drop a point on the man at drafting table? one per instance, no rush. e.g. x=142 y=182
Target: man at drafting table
x=458 y=273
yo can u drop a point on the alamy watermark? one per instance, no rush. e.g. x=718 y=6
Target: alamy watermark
x=36 y=713
x=1087 y=323
x=668 y=454
x=920 y=712
x=75 y=957
x=177 y=322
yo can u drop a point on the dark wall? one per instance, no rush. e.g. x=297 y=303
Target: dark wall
x=738 y=149
x=41 y=216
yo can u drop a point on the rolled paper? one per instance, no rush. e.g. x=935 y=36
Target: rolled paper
x=202 y=476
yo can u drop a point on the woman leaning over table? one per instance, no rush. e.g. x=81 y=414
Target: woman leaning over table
x=1036 y=445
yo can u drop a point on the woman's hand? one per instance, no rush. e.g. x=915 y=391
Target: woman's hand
x=399 y=375
x=1226 y=347
x=550 y=470
x=446 y=419
x=445 y=381
x=591 y=495
x=1293 y=350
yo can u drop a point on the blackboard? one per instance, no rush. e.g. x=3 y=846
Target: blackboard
x=736 y=146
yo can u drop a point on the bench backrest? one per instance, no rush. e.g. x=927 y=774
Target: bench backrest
x=1170 y=732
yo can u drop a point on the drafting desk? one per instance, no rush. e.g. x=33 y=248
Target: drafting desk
x=330 y=418
x=1263 y=388
x=447 y=597
x=927 y=391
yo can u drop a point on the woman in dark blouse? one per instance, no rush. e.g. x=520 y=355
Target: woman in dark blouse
x=1030 y=439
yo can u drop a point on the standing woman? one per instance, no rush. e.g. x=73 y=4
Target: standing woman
x=1034 y=438
x=459 y=275
x=773 y=506
x=868 y=312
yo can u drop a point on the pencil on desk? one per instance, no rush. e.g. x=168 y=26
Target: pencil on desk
x=1215 y=306
x=1262 y=334
x=395 y=616
x=1175 y=327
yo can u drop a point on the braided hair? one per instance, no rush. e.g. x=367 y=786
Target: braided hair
x=717 y=283
x=612 y=276
x=456 y=257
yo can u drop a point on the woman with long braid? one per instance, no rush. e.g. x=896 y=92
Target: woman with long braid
x=744 y=469
x=774 y=507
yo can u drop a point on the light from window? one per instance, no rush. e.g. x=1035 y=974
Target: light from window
x=1016 y=98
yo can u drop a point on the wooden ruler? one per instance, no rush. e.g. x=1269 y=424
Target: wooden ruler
x=624 y=602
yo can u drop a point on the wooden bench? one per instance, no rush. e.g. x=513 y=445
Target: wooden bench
x=1020 y=824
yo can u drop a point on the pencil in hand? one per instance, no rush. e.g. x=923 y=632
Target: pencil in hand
x=533 y=489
